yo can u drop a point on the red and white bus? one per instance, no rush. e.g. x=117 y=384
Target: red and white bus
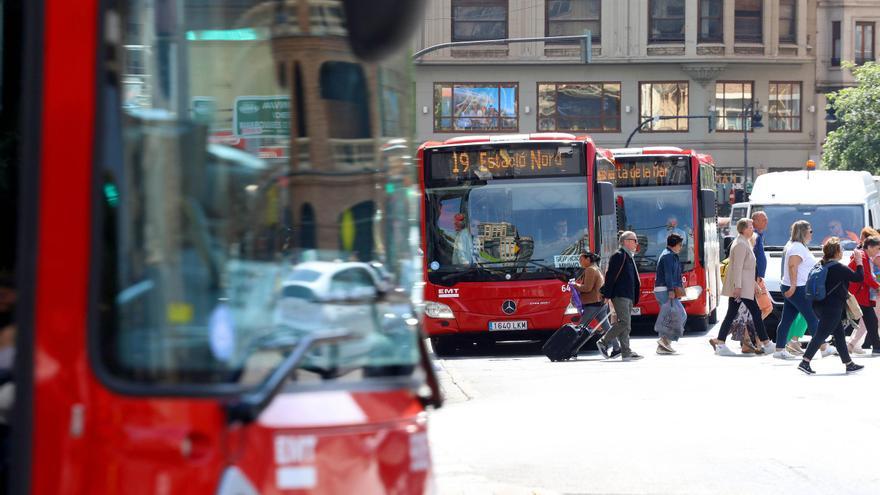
x=504 y=220
x=665 y=190
x=178 y=326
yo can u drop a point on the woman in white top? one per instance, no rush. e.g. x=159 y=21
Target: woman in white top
x=797 y=262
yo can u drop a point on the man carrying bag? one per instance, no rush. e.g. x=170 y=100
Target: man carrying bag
x=622 y=287
x=668 y=291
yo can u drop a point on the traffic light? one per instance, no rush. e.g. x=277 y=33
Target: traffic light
x=756 y=120
x=587 y=47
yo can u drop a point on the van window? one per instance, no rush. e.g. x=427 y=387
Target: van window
x=736 y=213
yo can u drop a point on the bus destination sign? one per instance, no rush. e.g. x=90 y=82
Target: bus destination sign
x=504 y=163
x=645 y=171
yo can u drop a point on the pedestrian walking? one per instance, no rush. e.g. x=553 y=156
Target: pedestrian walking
x=865 y=289
x=760 y=222
x=623 y=288
x=669 y=291
x=739 y=287
x=831 y=308
x=797 y=261
x=593 y=306
x=855 y=342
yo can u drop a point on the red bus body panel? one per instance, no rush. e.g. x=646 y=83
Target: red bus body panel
x=88 y=439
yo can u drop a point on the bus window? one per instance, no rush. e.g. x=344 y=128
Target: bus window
x=229 y=235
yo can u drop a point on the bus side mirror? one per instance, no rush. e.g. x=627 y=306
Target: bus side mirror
x=707 y=202
x=604 y=199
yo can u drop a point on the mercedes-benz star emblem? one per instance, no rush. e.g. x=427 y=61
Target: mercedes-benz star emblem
x=508 y=307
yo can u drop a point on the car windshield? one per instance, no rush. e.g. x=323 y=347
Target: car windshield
x=843 y=221
x=653 y=214
x=505 y=225
x=212 y=234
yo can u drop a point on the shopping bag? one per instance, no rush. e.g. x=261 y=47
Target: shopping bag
x=575 y=297
x=853 y=311
x=670 y=321
x=798 y=327
x=742 y=324
x=762 y=297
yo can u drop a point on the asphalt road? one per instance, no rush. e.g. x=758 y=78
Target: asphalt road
x=515 y=423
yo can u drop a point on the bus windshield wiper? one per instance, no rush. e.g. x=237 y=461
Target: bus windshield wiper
x=452 y=278
x=247 y=407
x=559 y=273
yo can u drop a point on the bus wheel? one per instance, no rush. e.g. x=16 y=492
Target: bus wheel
x=443 y=346
x=713 y=316
x=698 y=324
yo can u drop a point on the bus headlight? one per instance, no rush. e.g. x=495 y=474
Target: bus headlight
x=571 y=310
x=438 y=310
x=692 y=293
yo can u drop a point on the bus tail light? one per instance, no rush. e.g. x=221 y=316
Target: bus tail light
x=692 y=293
x=571 y=310
x=438 y=310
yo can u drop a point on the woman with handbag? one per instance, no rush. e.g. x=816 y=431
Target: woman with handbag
x=739 y=287
x=831 y=308
x=859 y=330
x=862 y=290
x=593 y=306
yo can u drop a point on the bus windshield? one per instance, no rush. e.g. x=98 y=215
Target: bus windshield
x=527 y=227
x=654 y=200
x=843 y=221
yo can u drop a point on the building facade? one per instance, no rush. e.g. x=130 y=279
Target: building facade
x=649 y=58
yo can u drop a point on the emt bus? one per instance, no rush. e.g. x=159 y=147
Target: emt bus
x=175 y=175
x=665 y=190
x=504 y=220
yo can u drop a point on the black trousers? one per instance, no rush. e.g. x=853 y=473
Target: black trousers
x=733 y=309
x=830 y=318
x=870 y=319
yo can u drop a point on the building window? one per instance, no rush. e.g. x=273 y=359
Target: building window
x=748 y=21
x=788 y=21
x=475 y=107
x=711 y=21
x=731 y=100
x=479 y=20
x=666 y=21
x=592 y=106
x=864 y=42
x=570 y=17
x=835 y=44
x=784 y=110
x=664 y=99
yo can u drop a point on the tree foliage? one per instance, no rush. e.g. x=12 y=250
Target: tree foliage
x=855 y=145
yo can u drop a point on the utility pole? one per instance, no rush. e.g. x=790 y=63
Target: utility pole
x=753 y=117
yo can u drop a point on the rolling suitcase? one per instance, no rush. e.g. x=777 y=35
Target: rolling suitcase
x=565 y=343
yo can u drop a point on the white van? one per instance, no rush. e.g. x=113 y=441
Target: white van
x=836 y=203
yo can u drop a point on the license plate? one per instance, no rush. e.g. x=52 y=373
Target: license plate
x=508 y=325
x=636 y=311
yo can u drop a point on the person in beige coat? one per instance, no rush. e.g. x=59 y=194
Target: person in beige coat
x=739 y=286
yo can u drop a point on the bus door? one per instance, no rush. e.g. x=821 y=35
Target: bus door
x=204 y=303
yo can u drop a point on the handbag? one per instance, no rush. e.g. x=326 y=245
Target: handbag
x=853 y=311
x=762 y=297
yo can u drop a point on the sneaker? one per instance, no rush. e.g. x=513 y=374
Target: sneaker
x=856 y=349
x=614 y=353
x=602 y=348
x=667 y=347
x=794 y=348
x=875 y=353
x=805 y=367
x=664 y=350
x=768 y=348
x=632 y=357
x=783 y=354
x=723 y=350
x=853 y=368
x=829 y=351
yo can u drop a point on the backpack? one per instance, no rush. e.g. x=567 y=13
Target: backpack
x=816 y=281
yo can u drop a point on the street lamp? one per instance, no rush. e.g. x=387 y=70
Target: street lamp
x=755 y=116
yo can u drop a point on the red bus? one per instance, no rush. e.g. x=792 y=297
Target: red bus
x=504 y=220
x=182 y=324
x=665 y=190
